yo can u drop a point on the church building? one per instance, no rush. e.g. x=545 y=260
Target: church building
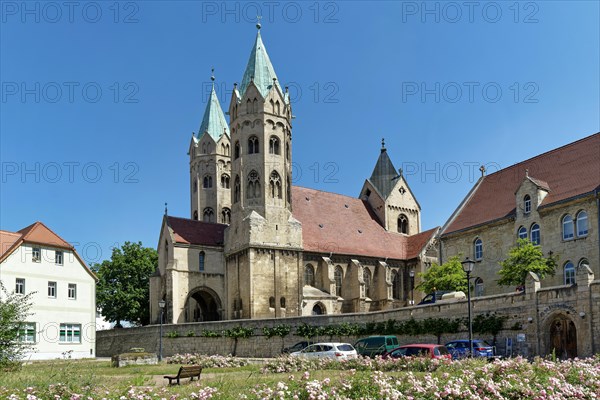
x=255 y=246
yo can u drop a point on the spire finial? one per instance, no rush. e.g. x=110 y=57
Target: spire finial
x=166 y=211
x=212 y=74
x=482 y=169
x=258 y=25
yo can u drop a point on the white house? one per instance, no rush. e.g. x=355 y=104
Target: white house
x=63 y=318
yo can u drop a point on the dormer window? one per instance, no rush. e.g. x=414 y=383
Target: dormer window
x=527 y=204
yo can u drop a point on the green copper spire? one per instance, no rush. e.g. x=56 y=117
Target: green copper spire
x=259 y=68
x=384 y=174
x=213 y=121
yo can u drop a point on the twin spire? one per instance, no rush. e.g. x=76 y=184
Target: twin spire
x=213 y=121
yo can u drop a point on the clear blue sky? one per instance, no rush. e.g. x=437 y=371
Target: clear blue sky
x=99 y=99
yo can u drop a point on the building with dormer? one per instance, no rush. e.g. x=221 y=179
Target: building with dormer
x=255 y=246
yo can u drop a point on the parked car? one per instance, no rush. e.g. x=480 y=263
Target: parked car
x=297 y=347
x=419 y=350
x=460 y=348
x=440 y=296
x=375 y=345
x=339 y=351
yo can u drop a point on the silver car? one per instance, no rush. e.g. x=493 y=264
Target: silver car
x=337 y=351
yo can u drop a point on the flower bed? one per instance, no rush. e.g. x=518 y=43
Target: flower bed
x=206 y=361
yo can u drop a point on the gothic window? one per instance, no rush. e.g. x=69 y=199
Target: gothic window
x=527 y=204
x=309 y=275
x=277 y=108
x=223 y=148
x=522 y=233
x=236 y=189
x=403 y=224
x=478 y=249
x=195 y=185
x=478 y=287
x=208 y=215
x=275 y=185
x=253 y=145
x=201 y=257
x=367 y=279
x=396 y=285
x=274 y=145
x=225 y=181
x=568 y=228
x=195 y=215
x=287 y=150
x=271 y=302
x=272 y=106
x=288 y=190
x=253 y=191
x=338 y=275
x=569 y=273
x=227 y=149
x=207 y=182
x=236 y=151
x=582 y=223
x=248 y=106
x=226 y=216
x=535 y=234
x=255 y=105
x=203 y=148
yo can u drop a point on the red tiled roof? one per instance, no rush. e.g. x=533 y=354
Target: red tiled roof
x=345 y=225
x=7 y=241
x=567 y=171
x=190 y=231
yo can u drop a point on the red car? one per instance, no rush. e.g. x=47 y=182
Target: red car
x=420 y=350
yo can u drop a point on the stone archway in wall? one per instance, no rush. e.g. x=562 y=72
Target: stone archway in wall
x=203 y=304
x=319 y=309
x=561 y=334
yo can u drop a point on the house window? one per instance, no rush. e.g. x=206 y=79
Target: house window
x=396 y=285
x=225 y=181
x=274 y=145
x=207 y=182
x=338 y=276
x=271 y=302
x=569 y=273
x=522 y=233
x=20 y=286
x=58 y=257
x=582 y=224
x=478 y=287
x=253 y=185
x=367 y=279
x=201 y=258
x=236 y=151
x=72 y=291
x=527 y=204
x=253 y=145
x=403 y=224
x=236 y=189
x=535 y=234
x=282 y=302
x=478 y=249
x=70 y=333
x=208 y=215
x=27 y=332
x=568 y=229
x=275 y=185
x=226 y=216
x=36 y=254
x=52 y=290
x=309 y=275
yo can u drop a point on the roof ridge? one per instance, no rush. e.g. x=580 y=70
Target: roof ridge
x=195 y=220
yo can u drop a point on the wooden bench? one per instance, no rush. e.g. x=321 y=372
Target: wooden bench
x=185 y=371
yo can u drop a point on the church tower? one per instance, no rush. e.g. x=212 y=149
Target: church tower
x=210 y=165
x=263 y=242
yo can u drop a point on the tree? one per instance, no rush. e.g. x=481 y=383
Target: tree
x=525 y=257
x=14 y=310
x=448 y=276
x=123 y=288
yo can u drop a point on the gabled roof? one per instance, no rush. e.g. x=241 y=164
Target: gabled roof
x=384 y=174
x=7 y=242
x=345 y=225
x=259 y=69
x=567 y=172
x=213 y=121
x=189 y=231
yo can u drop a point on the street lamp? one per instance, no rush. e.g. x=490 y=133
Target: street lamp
x=411 y=273
x=161 y=305
x=467 y=266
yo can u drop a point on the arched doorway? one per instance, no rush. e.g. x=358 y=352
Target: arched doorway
x=318 y=309
x=202 y=304
x=563 y=337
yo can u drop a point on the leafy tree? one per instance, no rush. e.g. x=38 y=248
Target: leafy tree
x=238 y=333
x=448 y=276
x=14 y=310
x=280 y=330
x=525 y=257
x=123 y=288
x=489 y=323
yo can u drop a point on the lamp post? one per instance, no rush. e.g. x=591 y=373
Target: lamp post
x=161 y=305
x=411 y=273
x=467 y=266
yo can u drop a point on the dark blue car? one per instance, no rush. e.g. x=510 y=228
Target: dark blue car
x=460 y=348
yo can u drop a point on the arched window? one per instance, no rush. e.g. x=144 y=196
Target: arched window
x=253 y=191
x=208 y=215
x=275 y=185
x=478 y=249
x=277 y=108
x=318 y=309
x=338 y=275
x=288 y=190
x=248 y=106
x=568 y=229
x=569 y=273
x=478 y=287
x=207 y=182
x=367 y=279
x=282 y=302
x=309 y=275
x=226 y=216
x=195 y=185
x=271 y=302
x=195 y=215
x=253 y=145
x=255 y=105
x=227 y=149
x=236 y=151
x=582 y=223
x=203 y=148
x=272 y=106
x=274 y=145
x=396 y=285
x=535 y=234
x=403 y=224
x=287 y=150
x=223 y=148
x=225 y=181
x=236 y=189
x=527 y=204
x=583 y=263
x=201 y=261
x=522 y=233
